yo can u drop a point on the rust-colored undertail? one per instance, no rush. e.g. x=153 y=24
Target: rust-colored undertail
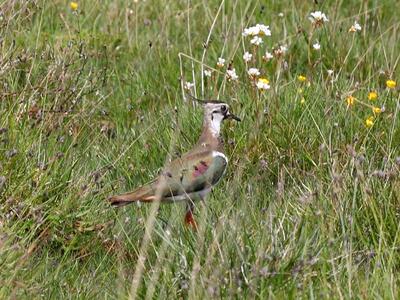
x=190 y=221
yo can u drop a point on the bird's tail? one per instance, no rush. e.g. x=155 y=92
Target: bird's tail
x=142 y=194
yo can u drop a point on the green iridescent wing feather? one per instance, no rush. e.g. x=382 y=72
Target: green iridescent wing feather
x=193 y=173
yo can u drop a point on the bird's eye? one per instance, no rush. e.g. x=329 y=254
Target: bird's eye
x=223 y=108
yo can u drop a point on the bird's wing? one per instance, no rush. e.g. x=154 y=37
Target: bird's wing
x=192 y=173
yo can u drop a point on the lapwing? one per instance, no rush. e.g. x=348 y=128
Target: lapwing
x=191 y=176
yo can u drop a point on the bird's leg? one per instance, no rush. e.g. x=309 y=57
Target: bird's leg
x=189 y=219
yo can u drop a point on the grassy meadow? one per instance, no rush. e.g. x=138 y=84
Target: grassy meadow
x=92 y=104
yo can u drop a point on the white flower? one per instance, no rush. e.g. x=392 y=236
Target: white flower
x=207 y=73
x=188 y=85
x=264 y=30
x=318 y=18
x=231 y=75
x=263 y=84
x=268 y=56
x=259 y=29
x=280 y=15
x=316 y=46
x=330 y=72
x=283 y=48
x=247 y=56
x=355 y=27
x=280 y=51
x=253 y=72
x=252 y=31
x=221 y=62
x=256 y=41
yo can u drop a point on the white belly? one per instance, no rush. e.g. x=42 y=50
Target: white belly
x=201 y=195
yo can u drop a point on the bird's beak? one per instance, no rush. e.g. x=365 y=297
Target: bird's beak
x=232 y=116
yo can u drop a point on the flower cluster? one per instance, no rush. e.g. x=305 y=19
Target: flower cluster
x=253 y=72
x=207 y=73
x=372 y=96
x=73 y=5
x=318 y=18
x=350 y=101
x=247 y=57
x=258 y=30
x=316 y=46
x=391 y=84
x=302 y=78
x=263 y=84
x=221 y=62
x=355 y=27
x=275 y=57
x=369 y=122
x=188 y=86
x=256 y=33
x=231 y=75
x=280 y=51
x=267 y=56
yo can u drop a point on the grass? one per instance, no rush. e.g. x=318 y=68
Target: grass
x=91 y=105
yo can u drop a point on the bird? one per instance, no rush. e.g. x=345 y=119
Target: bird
x=192 y=176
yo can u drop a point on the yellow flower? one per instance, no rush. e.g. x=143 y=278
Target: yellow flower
x=302 y=101
x=376 y=110
x=263 y=84
x=372 y=95
x=73 y=5
x=264 y=80
x=369 y=122
x=302 y=78
x=391 y=84
x=350 y=100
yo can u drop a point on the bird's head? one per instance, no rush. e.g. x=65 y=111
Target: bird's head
x=216 y=111
x=219 y=111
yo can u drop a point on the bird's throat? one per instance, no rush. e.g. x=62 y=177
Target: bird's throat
x=211 y=133
x=214 y=126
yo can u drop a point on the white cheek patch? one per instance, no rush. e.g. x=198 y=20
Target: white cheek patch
x=215 y=124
